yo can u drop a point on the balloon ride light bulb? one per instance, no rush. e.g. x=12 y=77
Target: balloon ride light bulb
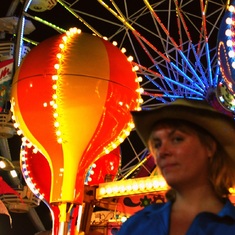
x=135 y=68
x=130 y=58
x=123 y=50
x=115 y=43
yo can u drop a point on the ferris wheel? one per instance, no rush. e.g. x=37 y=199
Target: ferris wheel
x=174 y=44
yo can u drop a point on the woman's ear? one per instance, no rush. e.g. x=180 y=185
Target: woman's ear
x=211 y=148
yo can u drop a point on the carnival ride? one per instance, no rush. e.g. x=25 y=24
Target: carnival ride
x=173 y=43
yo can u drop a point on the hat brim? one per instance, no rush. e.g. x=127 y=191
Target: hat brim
x=219 y=125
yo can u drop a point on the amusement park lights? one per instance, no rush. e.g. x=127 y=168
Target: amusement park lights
x=56 y=78
x=131 y=187
x=28 y=178
x=7 y=165
x=226 y=59
x=67 y=109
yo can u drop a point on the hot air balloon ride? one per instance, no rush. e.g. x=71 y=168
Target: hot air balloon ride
x=71 y=99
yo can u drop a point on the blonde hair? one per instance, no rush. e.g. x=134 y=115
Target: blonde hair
x=222 y=172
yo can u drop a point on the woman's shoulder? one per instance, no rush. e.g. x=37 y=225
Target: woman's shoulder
x=144 y=221
x=228 y=210
x=150 y=212
x=154 y=208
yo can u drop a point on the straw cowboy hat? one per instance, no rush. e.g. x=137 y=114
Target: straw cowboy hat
x=199 y=112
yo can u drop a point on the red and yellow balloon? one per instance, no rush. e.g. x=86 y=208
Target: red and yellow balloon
x=35 y=169
x=71 y=98
x=105 y=168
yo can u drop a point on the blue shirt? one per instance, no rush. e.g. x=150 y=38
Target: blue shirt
x=155 y=218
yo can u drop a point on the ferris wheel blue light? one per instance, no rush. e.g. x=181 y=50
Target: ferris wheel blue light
x=226 y=58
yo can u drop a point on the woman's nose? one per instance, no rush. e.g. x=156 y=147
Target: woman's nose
x=164 y=150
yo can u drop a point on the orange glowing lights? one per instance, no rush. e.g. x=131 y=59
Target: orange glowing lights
x=89 y=87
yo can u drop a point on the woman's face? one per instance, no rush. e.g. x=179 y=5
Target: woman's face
x=180 y=155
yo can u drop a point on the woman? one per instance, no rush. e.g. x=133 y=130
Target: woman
x=194 y=148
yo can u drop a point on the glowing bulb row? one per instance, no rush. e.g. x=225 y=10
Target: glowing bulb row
x=119 y=139
x=56 y=77
x=26 y=174
x=25 y=141
x=135 y=68
x=131 y=187
x=130 y=125
x=230 y=34
x=227 y=47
